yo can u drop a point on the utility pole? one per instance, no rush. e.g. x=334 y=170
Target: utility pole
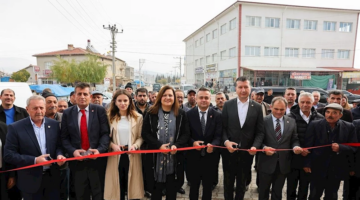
x=113 y=31
x=179 y=64
x=141 y=63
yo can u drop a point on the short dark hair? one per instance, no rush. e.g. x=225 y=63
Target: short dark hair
x=335 y=92
x=178 y=90
x=204 y=89
x=141 y=90
x=72 y=93
x=279 y=98
x=242 y=79
x=82 y=85
x=2 y=91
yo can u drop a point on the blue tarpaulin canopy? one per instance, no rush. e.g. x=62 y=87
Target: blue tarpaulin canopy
x=138 y=82
x=58 y=90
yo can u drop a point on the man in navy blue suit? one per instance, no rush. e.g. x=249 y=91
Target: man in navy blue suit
x=205 y=127
x=34 y=140
x=85 y=130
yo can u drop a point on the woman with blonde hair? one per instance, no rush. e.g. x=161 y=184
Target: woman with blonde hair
x=344 y=103
x=166 y=127
x=125 y=135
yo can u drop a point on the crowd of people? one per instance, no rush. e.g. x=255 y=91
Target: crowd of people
x=278 y=133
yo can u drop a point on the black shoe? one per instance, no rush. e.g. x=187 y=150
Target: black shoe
x=247 y=188
x=147 y=194
x=181 y=191
x=164 y=192
x=213 y=187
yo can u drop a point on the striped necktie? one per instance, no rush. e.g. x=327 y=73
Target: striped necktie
x=278 y=130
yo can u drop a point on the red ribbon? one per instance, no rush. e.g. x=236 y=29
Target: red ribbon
x=156 y=151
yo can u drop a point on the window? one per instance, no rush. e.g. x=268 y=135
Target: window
x=345 y=27
x=214 y=57
x=310 y=25
x=208 y=59
x=252 y=51
x=201 y=40
x=48 y=65
x=271 y=51
x=196 y=43
x=232 y=52
x=308 y=53
x=292 y=52
x=272 y=22
x=208 y=37
x=327 y=53
x=214 y=34
x=201 y=61
x=293 y=23
x=196 y=62
x=223 y=29
x=329 y=26
x=232 y=24
x=223 y=55
x=253 y=21
x=343 y=54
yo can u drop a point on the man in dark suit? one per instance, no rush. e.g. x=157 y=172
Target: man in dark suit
x=316 y=103
x=335 y=96
x=205 y=127
x=72 y=101
x=242 y=128
x=354 y=192
x=34 y=140
x=279 y=133
x=329 y=165
x=85 y=130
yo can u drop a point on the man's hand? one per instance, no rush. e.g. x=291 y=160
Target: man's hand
x=297 y=150
x=305 y=152
x=210 y=148
x=173 y=149
x=11 y=182
x=133 y=147
x=197 y=144
x=335 y=147
x=95 y=152
x=115 y=147
x=307 y=169
x=60 y=157
x=42 y=158
x=77 y=153
x=229 y=146
x=251 y=151
x=269 y=151
x=165 y=147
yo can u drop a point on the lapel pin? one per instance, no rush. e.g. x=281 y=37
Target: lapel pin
x=170 y=121
x=252 y=104
x=92 y=110
x=48 y=126
x=287 y=121
x=210 y=116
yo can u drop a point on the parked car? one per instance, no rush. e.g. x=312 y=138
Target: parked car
x=187 y=87
x=280 y=90
x=156 y=87
x=351 y=97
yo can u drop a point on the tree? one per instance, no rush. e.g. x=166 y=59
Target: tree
x=20 y=76
x=90 y=70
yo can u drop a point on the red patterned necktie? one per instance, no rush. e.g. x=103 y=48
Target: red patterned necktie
x=84 y=132
x=278 y=130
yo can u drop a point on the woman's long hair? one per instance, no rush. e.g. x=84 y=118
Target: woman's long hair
x=114 y=111
x=155 y=108
x=346 y=105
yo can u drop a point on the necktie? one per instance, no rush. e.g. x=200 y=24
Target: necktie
x=278 y=130
x=84 y=132
x=203 y=125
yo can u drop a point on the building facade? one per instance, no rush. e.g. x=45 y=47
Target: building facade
x=273 y=44
x=41 y=72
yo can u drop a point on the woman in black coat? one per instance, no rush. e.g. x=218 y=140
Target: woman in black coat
x=4 y=177
x=165 y=127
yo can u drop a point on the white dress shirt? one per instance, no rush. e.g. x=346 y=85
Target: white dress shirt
x=205 y=115
x=41 y=138
x=281 y=122
x=306 y=119
x=123 y=130
x=80 y=114
x=242 y=110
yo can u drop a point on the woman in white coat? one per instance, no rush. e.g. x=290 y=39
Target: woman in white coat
x=123 y=172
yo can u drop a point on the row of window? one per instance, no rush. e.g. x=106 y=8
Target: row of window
x=272 y=22
x=295 y=52
x=214 y=33
x=214 y=57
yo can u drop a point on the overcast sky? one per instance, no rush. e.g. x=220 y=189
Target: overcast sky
x=153 y=30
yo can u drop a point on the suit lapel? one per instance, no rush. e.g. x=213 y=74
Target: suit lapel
x=30 y=130
x=47 y=136
x=75 y=114
x=270 y=126
x=236 y=111
x=286 y=128
x=209 y=120
x=91 y=116
x=133 y=126
x=196 y=119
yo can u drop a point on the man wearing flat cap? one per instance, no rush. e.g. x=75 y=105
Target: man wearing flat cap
x=97 y=98
x=51 y=107
x=191 y=99
x=331 y=164
x=259 y=97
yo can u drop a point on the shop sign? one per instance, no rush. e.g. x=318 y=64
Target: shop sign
x=211 y=68
x=228 y=73
x=199 y=70
x=300 y=75
x=36 y=69
x=351 y=74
